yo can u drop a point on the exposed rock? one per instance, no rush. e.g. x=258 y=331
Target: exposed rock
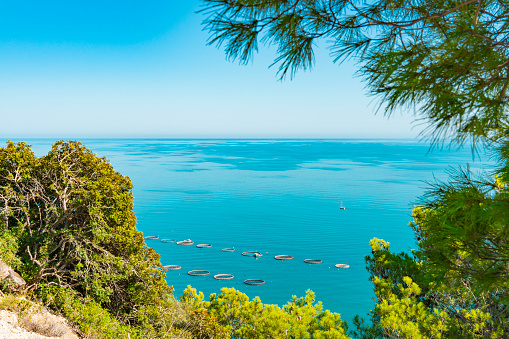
x=14 y=282
x=21 y=318
x=4 y=270
x=35 y=326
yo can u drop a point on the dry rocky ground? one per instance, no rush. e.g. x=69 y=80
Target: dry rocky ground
x=32 y=321
x=35 y=325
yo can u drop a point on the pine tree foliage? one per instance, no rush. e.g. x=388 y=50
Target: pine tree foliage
x=240 y=317
x=463 y=226
x=446 y=60
x=414 y=305
x=455 y=285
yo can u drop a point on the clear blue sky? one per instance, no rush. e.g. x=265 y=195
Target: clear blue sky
x=75 y=69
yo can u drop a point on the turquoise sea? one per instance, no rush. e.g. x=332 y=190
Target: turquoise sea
x=277 y=197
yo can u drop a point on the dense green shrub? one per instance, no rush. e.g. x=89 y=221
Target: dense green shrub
x=240 y=317
x=67 y=224
x=455 y=284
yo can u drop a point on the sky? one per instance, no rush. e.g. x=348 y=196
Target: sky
x=107 y=69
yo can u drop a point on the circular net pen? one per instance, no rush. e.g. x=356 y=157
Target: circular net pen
x=172 y=267
x=312 y=261
x=254 y=282
x=342 y=266
x=283 y=257
x=251 y=254
x=228 y=249
x=152 y=237
x=204 y=246
x=168 y=240
x=198 y=273
x=185 y=242
x=223 y=276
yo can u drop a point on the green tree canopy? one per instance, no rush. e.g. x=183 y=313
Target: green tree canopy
x=76 y=220
x=241 y=318
x=446 y=60
x=455 y=284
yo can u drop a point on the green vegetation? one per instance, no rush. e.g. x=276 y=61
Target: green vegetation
x=240 y=318
x=447 y=60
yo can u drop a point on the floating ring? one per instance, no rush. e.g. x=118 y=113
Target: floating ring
x=152 y=237
x=254 y=282
x=342 y=266
x=199 y=273
x=283 y=257
x=172 y=267
x=312 y=261
x=185 y=242
x=228 y=249
x=223 y=276
x=204 y=246
x=168 y=240
x=252 y=254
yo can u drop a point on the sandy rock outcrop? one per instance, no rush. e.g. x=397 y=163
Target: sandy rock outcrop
x=14 y=281
x=48 y=326
x=33 y=323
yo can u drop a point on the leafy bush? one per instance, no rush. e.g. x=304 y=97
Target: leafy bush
x=241 y=318
x=455 y=285
x=67 y=224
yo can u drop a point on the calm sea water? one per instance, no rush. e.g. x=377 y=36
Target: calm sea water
x=276 y=197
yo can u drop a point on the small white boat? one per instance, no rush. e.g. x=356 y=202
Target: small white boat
x=341 y=207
